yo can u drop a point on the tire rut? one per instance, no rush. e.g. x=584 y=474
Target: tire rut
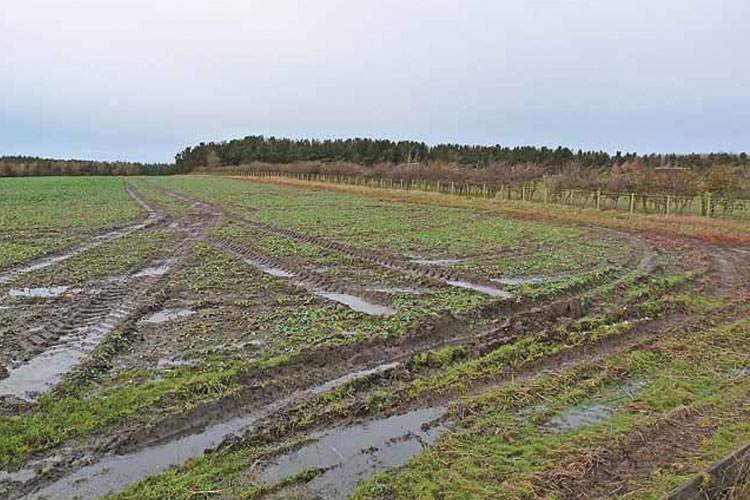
x=391 y=262
x=152 y=218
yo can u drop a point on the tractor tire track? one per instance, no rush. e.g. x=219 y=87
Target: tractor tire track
x=391 y=262
x=45 y=355
x=152 y=217
x=300 y=276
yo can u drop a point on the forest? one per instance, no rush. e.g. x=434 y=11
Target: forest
x=382 y=151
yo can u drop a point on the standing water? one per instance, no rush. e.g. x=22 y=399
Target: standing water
x=351 y=454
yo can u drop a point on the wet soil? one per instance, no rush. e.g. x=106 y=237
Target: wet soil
x=349 y=451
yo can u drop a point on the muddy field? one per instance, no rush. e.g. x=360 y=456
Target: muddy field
x=194 y=337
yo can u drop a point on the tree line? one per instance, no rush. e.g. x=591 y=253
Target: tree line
x=366 y=151
x=24 y=166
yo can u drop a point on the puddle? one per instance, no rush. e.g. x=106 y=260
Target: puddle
x=579 y=416
x=357 y=452
x=52 y=291
x=152 y=271
x=270 y=270
x=595 y=412
x=418 y=259
x=354 y=302
x=519 y=281
x=44 y=371
x=112 y=474
x=20 y=476
x=492 y=292
x=164 y=364
x=395 y=289
x=168 y=315
x=357 y=303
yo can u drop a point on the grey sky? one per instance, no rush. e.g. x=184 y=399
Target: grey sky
x=141 y=79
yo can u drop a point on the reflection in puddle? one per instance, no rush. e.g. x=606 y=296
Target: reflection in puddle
x=94 y=242
x=164 y=364
x=51 y=291
x=20 y=476
x=153 y=271
x=600 y=410
x=492 y=292
x=396 y=289
x=168 y=315
x=357 y=303
x=358 y=452
x=579 y=416
x=112 y=474
x=519 y=281
x=271 y=271
x=417 y=259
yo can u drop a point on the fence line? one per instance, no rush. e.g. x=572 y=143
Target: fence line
x=704 y=204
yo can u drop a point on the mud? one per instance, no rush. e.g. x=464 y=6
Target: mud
x=46 y=354
x=111 y=474
x=269 y=270
x=360 y=449
x=45 y=370
x=43 y=292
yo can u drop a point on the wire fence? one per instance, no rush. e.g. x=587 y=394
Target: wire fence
x=705 y=204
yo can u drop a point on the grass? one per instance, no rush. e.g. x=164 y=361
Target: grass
x=118 y=256
x=394 y=227
x=703 y=228
x=501 y=444
x=94 y=408
x=493 y=453
x=39 y=215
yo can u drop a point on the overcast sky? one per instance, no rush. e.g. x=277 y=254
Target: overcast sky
x=142 y=79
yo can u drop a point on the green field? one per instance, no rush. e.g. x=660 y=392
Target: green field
x=348 y=344
x=45 y=214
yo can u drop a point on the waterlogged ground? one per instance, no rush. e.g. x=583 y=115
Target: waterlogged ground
x=236 y=339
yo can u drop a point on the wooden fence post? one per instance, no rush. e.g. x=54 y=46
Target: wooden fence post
x=598 y=199
x=669 y=202
x=632 y=202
